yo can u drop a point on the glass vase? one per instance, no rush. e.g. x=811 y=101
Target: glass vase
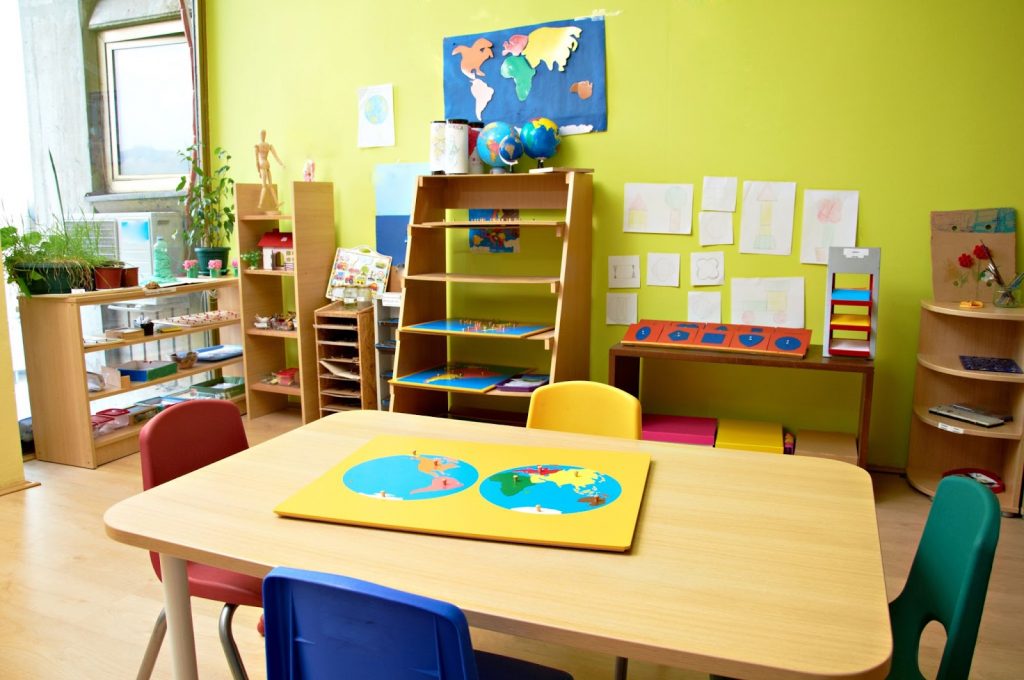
x=1007 y=298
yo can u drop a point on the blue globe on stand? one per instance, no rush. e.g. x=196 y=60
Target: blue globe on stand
x=499 y=146
x=540 y=139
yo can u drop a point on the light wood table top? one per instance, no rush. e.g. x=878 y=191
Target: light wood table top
x=744 y=564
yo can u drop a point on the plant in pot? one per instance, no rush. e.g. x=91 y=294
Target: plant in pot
x=251 y=258
x=109 y=274
x=209 y=215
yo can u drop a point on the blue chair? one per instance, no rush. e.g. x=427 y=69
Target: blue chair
x=319 y=625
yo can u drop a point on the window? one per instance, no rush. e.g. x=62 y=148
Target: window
x=147 y=85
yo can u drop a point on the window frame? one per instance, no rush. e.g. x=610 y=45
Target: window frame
x=143 y=35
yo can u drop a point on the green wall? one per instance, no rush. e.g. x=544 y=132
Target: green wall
x=917 y=104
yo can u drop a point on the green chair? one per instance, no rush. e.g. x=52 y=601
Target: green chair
x=948 y=580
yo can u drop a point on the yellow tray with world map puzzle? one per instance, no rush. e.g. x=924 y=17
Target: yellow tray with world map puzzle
x=548 y=496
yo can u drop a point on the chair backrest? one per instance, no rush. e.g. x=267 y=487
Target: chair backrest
x=948 y=579
x=584 y=407
x=324 y=625
x=186 y=437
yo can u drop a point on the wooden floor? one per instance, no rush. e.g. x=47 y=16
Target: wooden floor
x=75 y=604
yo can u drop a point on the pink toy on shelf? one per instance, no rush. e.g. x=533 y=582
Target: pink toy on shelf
x=679 y=429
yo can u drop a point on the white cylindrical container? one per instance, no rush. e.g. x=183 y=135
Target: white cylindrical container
x=456 y=146
x=476 y=164
x=437 y=147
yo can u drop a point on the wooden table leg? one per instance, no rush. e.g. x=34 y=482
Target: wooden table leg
x=179 y=618
x=624 y=373
x=864 y=427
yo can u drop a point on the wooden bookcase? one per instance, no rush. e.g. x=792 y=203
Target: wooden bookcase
x=301 y=290
x=55 y=361
x=939 y=444
x=344 y=340
x=385 y=329
x=441 y=281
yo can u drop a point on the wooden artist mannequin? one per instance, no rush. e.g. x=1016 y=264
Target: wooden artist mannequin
x=263 y=150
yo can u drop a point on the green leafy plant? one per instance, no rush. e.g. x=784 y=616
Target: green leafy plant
x=251 y=258
x=209 y=215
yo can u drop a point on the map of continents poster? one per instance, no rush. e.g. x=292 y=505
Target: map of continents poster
x=555 y=70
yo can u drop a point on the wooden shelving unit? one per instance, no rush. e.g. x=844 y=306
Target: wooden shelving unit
x=267 y=292
x=56 y=362
x=440 y=284
x=344 y=340
x=939 y=444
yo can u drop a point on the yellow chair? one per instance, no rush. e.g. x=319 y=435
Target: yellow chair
x=585 y=407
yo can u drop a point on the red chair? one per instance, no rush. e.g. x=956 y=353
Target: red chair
x=181 y=439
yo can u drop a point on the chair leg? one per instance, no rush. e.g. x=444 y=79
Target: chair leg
x=156 y=639
x=227 y=641
x=621 y=667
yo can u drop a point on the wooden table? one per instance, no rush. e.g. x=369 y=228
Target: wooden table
x=624 y=372
x=743 y=564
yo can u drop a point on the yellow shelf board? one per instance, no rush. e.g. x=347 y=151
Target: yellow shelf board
x=858 y=320
x=200 y=367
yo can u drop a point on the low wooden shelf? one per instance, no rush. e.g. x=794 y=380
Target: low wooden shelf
x=344 y=336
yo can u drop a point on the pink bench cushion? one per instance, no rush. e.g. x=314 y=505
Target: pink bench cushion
x=679 y=429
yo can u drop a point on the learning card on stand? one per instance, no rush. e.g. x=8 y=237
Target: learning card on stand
x=956 y=233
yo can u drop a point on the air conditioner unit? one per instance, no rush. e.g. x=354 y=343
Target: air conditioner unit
x=130 y=237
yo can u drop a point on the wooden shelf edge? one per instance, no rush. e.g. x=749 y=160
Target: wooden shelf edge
x=263 y=217
x=481 y=278
x=268 y=333
x=987 y=313
x=291 y=390
x=268 y=272
x=950 y=365
x=1011 y=431
x=156 y=337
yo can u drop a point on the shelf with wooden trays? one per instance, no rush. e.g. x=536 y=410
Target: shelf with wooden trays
x=344 y=343
x=200 y=367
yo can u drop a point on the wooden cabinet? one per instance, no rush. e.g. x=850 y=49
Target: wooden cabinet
x=386 y=311
x=548 y=282
x=344 y=349
x=299 y=289
x=939 y=444
x=56 y=361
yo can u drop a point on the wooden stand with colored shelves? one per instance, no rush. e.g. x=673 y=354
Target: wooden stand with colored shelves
x=551 y=290
x=301 y=290
x=939 y=444
x=61 y=403
x=344 y=339
x=851 y=313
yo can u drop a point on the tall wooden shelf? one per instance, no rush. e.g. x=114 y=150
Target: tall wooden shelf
x=55 y=362
x=939 y=444
x=553 y=290
x=300 y=290
x=344 y=341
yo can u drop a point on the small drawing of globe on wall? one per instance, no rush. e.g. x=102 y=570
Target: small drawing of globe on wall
x=551 y=489
x=410 y=477
x=376 y=109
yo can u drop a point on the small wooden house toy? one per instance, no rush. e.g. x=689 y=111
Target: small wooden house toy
x=278 y=250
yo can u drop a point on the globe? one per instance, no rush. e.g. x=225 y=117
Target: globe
x=540 y=139
x=498 y=145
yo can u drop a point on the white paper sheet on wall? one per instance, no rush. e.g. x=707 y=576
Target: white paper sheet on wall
x=663 y=269
x=624 y=271
x=658 y=208
x=704 y=307
x=715 y=228
x=769 y=302
x=376 y=116
x=719 y=194
x=830 y=219
x=707 y=268
x=766 y=224
x=620 y=309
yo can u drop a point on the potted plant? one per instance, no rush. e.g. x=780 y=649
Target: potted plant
x=251 y=258
x=108 y=274
x=209 y=215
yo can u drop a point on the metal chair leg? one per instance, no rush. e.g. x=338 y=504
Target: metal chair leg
x=227 y=641
x=621 y=667
x=156 y=639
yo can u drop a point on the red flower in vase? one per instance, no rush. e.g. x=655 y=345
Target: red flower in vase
x=965 y=260
x=980 y=252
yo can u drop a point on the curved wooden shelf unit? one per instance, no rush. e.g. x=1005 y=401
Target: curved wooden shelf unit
x=200 y=367
x=950 y=365
x=1011 y=430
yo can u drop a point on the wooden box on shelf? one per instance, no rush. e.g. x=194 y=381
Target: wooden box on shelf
x=264 y=292
x=430 y=283
x=61 y=404
x=347 y=376
x=939 y=444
